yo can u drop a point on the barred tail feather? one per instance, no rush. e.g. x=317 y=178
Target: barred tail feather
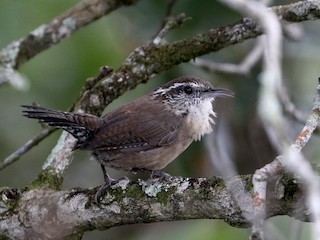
x=81 y=126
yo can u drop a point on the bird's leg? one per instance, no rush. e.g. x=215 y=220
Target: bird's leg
x=107 y=182
x=106 y=177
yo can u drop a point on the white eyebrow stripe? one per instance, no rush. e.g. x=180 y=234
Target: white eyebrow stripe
x=176 y=85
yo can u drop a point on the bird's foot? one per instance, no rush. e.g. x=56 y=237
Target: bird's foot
x=109 y=181
x=160 y=174
x=123 y=178
x=102 y=188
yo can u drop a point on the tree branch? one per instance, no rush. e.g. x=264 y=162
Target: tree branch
x=150 y=59
x=39 y=211
x=146 y=61
x=63 y=26
x=51 y=214
x=26 y=147
x=243 y=68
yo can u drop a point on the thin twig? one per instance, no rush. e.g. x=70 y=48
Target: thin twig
x=26 y=147
x=290 y=109
x=173 y=22
x=311 y=123
x=166 y=17
x=243 y=68
x=169 y=13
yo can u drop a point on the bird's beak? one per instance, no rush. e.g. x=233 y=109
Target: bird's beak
x=220 y=92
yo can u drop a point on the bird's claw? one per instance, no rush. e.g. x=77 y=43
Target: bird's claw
x=159 y=174
x=102 y=188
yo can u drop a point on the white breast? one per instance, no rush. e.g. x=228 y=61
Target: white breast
x=200 y=119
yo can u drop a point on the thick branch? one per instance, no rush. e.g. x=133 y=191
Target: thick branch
x=51 y=214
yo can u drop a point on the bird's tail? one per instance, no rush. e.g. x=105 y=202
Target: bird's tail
x=81 y=126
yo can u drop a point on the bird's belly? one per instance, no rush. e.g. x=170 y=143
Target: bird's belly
x=153 y=159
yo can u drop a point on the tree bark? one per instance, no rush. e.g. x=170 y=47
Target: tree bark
x=43 y=211
x=49 y=214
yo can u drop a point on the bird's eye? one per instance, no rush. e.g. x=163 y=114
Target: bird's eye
x=188 y=90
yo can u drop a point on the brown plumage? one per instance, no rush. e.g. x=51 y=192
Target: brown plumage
x=145 y=134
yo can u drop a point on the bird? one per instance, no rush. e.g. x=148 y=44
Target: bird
x=145 y=134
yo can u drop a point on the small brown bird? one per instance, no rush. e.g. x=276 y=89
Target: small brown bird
x=145 y=134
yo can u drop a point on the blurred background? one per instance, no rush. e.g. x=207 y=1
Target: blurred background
x=56 y=76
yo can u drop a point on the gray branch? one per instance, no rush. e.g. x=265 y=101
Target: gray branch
x=49 y=214
x=40 y=211
x=146 y=61
x=63 y=26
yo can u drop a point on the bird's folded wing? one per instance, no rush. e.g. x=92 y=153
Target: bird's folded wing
x=134 y=131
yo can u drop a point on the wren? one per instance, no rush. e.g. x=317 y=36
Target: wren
x=145 y=134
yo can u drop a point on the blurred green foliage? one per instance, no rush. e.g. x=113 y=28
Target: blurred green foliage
x=56 y=77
